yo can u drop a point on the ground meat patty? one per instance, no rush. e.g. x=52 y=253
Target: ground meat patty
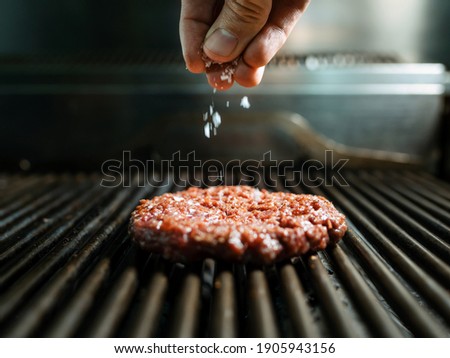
x=236 y=223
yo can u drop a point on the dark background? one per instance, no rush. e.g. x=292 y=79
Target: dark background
x=417 y=30
x=52 y=26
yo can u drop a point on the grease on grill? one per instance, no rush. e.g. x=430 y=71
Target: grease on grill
x=235 y=223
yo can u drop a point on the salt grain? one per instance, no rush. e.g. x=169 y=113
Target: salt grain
x=207 y=130
x=205 y=116
x=228 y=103
x=245 y=103
x=216 y=119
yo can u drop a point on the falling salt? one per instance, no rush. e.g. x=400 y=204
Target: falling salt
x=212 y=119
x=207 y=130
x=245 y=103
x=216 y=119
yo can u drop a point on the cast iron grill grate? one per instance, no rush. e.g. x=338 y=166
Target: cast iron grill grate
x=68 y=268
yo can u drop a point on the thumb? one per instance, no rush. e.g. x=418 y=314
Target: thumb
x=237 y=24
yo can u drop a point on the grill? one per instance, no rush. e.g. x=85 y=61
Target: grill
x=69 y=269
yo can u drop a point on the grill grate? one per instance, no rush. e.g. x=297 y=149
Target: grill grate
x=68 y=268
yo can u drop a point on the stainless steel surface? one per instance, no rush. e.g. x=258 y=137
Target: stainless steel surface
x=386 y=106
x=264 y=137
x=390 y=107
x=415 y=30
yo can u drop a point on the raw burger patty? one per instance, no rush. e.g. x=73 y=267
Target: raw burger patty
x=235 y=223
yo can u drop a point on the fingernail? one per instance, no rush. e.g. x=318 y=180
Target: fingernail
x=221 y=42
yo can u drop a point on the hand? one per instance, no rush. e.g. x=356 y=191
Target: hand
x=251 y=31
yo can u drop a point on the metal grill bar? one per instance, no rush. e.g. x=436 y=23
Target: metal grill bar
x=337 y=318
x=116 y=305
x=381 y=323
x=297 y=305
x=149 y=311
x=71 y=317
x=224 y=320
x=186 y=312
x=262 y=319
